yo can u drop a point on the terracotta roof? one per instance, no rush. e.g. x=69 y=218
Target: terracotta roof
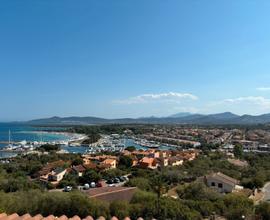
x=103 y=166
x=79 y=168
x=147 y=160
x=175 y=159
x=109 y=161
x=90 y=165
x=15 y=216
x=49 y=167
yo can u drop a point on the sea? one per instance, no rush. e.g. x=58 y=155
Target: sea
x=21 y=132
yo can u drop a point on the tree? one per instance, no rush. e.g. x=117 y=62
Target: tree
x=119 y=209
x=90 y=176
x=112 y=173
x=263 y=210
x=130 y=148
x=237 y=206
x=258 y=181
x=140 y=183
x=174 y=209
x=159 y=187
x=197 y=191
x=69 y=180
x=49 y=147
x=144 y=204
x=205 y=208
x=125 y=161
x=238 y=151
x=77 y=161
x=58 y=203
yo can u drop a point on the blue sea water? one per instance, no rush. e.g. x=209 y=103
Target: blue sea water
x=20 y=132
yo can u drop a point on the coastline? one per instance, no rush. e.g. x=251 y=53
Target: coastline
x=70 y=137
x=71 y=142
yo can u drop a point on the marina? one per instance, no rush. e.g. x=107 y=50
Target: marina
x=11 y=144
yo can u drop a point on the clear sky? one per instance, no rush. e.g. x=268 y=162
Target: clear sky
x=126 y=58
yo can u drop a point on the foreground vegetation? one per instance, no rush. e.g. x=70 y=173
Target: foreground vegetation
x=143 y=204
x=21 y=193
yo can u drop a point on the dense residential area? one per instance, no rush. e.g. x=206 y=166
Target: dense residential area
x=134 y=110
x=208 y=180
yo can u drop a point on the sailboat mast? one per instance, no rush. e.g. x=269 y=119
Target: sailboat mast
x=9 y=137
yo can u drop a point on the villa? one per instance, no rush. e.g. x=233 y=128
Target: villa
x=176 y=161
x=57 y=175
x=80 y=169
x=148 y=163
x=222 y=183
x=110 y=162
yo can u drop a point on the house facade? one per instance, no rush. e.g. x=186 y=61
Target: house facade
x=148 y=163
x=222 y=183
x=176 y=161
x=80 y=169
x=110 y=162
x=57 y=175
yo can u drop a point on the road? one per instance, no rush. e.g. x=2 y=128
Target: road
x=121 y=184
x=266 y=191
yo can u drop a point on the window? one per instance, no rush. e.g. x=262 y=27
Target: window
x=220 y=185
x=213 y=184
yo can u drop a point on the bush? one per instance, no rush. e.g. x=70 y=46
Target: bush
x=174 y=209
x=263 y=211
x=119 y=209
x=113 y=173
x=57 y=203
x=90 y=176
x=77 y=161
x=130 y=148
x=205 y=208
x=237 y=206
x=49 y=147
x=125 y=161
x=197 y=191
x=140 y=183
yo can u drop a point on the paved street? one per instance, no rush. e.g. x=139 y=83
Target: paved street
x=266 y=191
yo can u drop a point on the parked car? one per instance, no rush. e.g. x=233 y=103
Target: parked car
x=110 y=181
x=116 y=180
x=93 y=185
x=122 y=179
x=99 y=185
x=67 y=189
x=86 y=186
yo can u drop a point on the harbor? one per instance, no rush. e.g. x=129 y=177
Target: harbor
x=107 y=143
x=16 y=140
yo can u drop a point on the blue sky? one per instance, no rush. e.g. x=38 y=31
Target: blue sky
x=135 y=58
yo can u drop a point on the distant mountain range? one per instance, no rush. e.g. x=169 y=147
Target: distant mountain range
x=180 y=118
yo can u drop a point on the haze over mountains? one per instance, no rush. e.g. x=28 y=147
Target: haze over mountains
x=180 y=118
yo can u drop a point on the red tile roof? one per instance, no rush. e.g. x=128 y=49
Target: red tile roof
x=15 y=216
x=79 y=168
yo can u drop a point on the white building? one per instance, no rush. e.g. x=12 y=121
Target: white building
x=222 y=183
